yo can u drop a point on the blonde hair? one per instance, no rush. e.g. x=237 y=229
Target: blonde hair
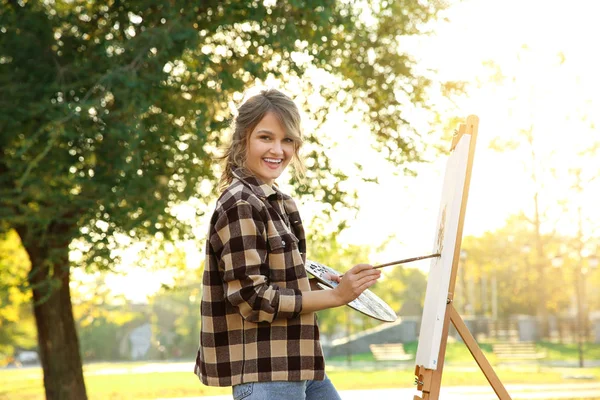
x=250 y=113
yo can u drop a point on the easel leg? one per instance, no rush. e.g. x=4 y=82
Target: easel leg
x=478 y=355
x=429 y=381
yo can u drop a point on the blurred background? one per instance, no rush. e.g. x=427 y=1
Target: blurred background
x=111 y=114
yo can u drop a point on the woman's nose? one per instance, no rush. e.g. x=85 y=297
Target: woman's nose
x=276 y=148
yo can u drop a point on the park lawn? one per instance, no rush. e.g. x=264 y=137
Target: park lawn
x=560 y=351
x=356 y=379
x=457 y=352
x=118 y=384
x=26 y=384
x=120 y=381
x=149 y=386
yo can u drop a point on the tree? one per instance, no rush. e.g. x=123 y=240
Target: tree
x=110 y=113
x=507 y=259
x=550 y=160
x=403 y=289
x=537 y=218
x=102 y=318
x=175 y=311
x=17 y=329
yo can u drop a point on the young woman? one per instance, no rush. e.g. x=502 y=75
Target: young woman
x=259 y=330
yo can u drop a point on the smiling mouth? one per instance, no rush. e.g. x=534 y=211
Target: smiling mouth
x=273 y=161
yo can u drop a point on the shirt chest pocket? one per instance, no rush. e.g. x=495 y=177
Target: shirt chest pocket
x=282 y=243
x=285 y=260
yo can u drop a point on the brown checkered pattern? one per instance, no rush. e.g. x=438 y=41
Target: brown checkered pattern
x=252 y=329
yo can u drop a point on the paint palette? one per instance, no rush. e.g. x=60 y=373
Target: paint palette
x=367 y=303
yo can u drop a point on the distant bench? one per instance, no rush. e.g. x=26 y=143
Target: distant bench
x=517 y=351
x=389 y=352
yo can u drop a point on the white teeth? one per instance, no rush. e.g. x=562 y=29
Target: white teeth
x=273 y=160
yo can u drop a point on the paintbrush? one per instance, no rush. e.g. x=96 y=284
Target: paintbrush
x=404 y=261
x=407 y=260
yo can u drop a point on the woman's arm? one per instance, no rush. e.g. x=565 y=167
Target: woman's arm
x=313 y=284
x=354 y=282
x=240 y=245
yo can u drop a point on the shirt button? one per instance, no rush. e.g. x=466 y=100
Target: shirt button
x=283 y=242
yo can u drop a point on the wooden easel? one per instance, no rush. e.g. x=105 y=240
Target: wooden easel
x=429 y=380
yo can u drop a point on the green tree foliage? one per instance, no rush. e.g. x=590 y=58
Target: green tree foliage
x=17 y=328
x=592 y=282
x=176 y=324
x=325 y=248
x=508 y=257
x=103 y=319
x=579 y=208
x=110 y=112
x=403 y=288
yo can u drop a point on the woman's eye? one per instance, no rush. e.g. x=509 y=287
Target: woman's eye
x=265 y=137
x=288 y=140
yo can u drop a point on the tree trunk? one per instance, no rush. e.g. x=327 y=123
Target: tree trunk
x=57 y=336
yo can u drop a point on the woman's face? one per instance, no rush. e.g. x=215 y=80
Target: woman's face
x=269 y=149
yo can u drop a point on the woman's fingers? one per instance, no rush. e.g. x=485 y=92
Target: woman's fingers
x=357 y=280
x=365 y=284
x=366 y=279
x=361 y=267
x=368 y=273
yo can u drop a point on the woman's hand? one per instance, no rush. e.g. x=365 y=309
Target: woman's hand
x=350 y=286
x=354 y=282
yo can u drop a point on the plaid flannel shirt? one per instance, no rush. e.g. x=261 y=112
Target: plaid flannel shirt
x=252 y=329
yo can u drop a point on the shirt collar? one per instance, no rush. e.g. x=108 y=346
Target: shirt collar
x=256 y=185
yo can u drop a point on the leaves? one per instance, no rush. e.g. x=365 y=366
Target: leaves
x=507 y=256
x=114 y=111
x=16 y=320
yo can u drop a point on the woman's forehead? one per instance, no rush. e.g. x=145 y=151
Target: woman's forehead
x=270 y=123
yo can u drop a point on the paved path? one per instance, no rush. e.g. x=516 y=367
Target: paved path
x=517 y=392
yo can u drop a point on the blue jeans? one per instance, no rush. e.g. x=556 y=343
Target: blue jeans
x=282 y=390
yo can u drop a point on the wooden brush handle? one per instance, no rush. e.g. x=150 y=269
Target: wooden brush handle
x=407 y=260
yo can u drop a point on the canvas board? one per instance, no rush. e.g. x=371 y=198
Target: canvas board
x=438 y=281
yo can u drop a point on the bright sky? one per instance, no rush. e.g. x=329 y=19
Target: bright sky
x=527 y=39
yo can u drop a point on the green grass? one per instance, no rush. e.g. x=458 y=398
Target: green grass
x=121 y=381
x=376 y=379
x=457 y=352
x=570 y=352
x=27 y=383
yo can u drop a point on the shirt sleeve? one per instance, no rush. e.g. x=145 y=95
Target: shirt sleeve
x=240 y=241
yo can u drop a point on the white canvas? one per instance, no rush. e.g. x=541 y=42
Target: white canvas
x=441 y=267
